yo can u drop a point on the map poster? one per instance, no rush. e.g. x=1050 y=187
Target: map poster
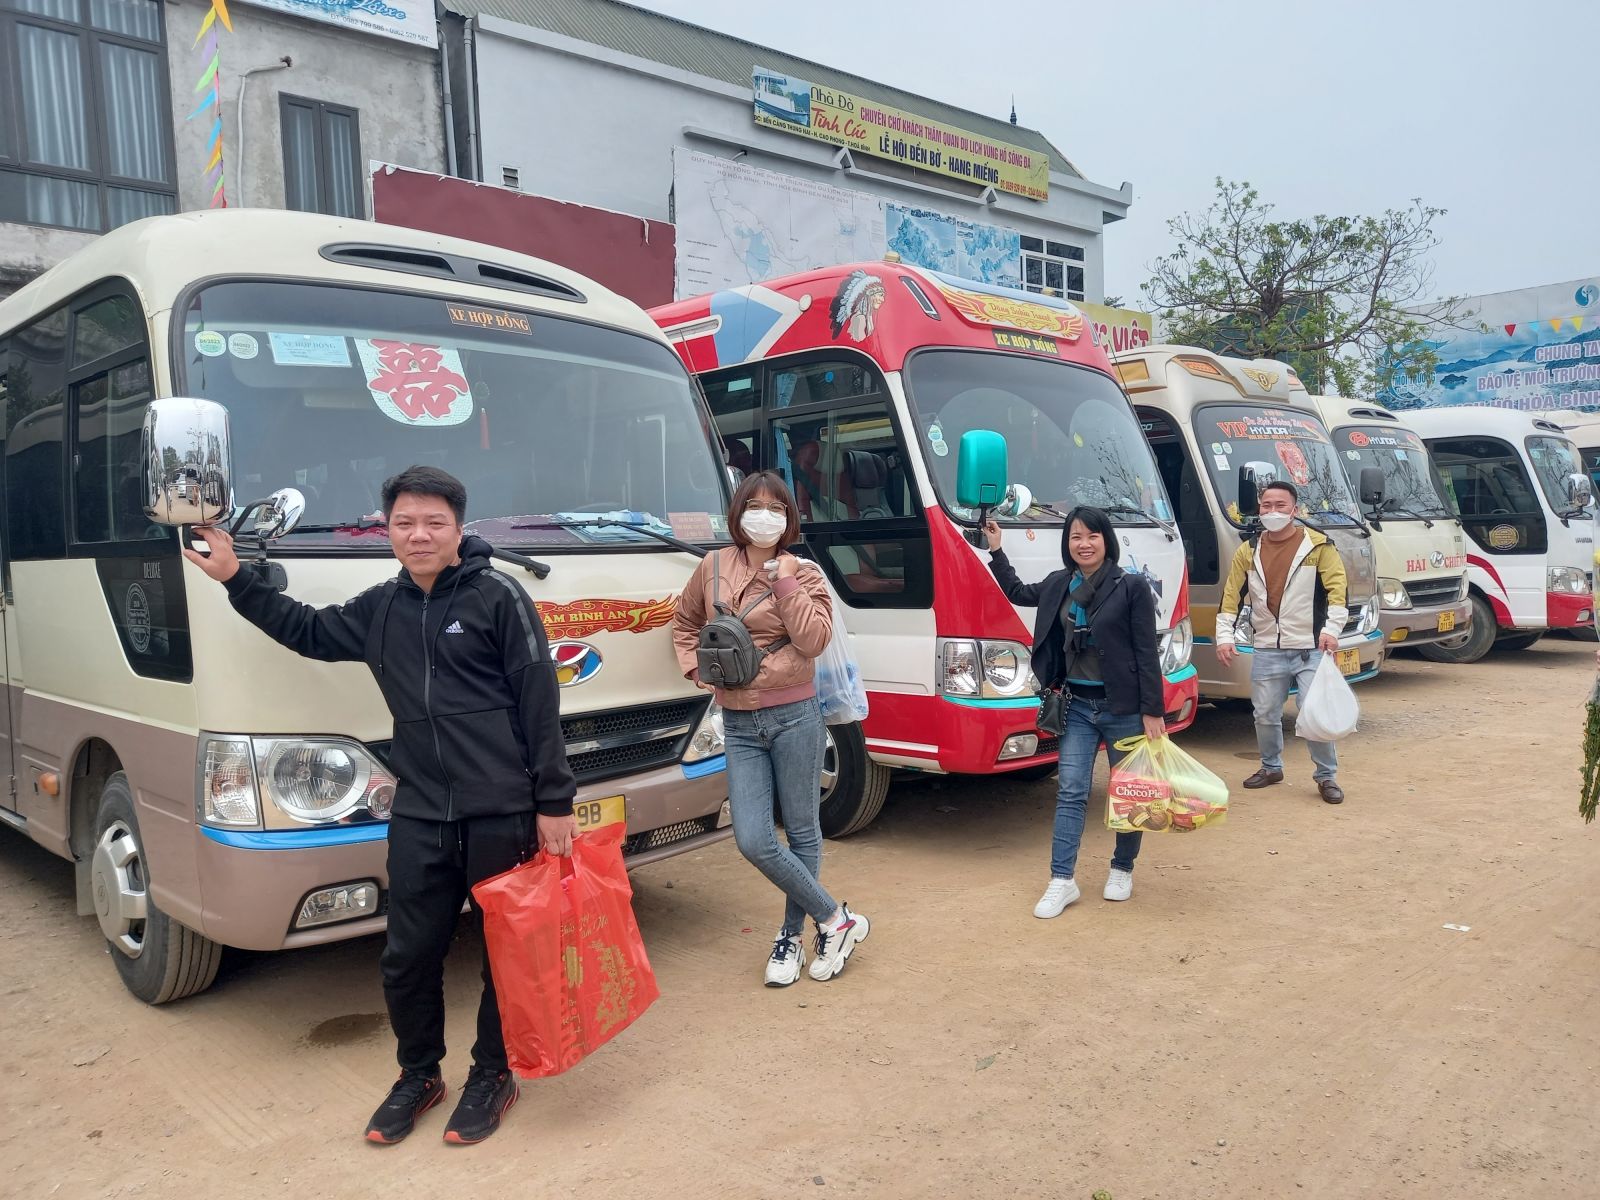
x=739 y=224
x=924 y=238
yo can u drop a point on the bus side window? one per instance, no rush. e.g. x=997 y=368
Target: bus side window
x=734 y=397
x=36 y=381
x=1182 y=480
x=111 y=387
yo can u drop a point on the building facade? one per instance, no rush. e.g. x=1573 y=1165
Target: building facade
x=112 y=110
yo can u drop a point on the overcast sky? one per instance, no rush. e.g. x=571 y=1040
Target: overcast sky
x=1489 y=110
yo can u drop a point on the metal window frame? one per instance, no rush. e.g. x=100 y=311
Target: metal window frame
x=11 y=114
x=1067 y=264
x=320 y=110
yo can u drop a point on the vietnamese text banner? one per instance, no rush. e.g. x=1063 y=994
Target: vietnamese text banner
x=412 y=21
x=796 y=106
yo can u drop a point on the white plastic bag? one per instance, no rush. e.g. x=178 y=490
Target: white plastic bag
x=839 y=689
x=1328 y=709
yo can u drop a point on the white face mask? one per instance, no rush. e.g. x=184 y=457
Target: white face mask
x=762 y=527
x=1276 y=522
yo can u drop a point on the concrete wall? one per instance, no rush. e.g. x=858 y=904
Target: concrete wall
x=584 y=123
x=395 y=88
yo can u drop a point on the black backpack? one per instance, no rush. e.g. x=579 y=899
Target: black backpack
x=728 y=655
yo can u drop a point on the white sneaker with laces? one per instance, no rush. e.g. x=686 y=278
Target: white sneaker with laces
x=1057 y=896
x=836 y=942
x=788 y=956
x=1119 y=884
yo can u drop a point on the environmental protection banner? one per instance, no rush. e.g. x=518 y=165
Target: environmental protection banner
x=411 y=21
x=1533 y=349
x=796 y=106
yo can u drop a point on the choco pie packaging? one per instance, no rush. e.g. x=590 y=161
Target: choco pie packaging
x=1158 y=788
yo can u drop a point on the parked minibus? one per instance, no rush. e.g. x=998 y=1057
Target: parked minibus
x=1221 y=428
x=212 y=788
x=1526 y=502
x=858 y=383
x=1420 y=548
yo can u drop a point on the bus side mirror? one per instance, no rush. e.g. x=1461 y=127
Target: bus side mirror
x=1372 y=486
x=279 y=513
x=1580 y=490
x=1249 y=495
x=188 y=462
x=981 y=469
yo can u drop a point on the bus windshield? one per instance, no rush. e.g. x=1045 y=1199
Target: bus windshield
x=1274 y=443
x=546 y=421
x=1070 y=436
x=1554 y=460
x=1410 y=493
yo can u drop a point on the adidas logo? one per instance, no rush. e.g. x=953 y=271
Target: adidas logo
x=454 y=627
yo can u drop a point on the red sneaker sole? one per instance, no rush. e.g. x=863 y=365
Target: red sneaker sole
x=453 y=1138
x=376 y=1137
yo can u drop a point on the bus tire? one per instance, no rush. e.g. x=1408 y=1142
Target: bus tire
x=853 y=786
x=159 y=960
x=1472 y=645
x=1518 y=641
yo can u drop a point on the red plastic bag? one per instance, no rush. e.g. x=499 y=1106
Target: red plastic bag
x=569 y=965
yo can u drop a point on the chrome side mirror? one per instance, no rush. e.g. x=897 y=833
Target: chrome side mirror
x=1580 y=490
x=188 y=462
x=280 y=513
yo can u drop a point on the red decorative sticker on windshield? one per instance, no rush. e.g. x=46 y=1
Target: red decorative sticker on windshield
x=415 y=383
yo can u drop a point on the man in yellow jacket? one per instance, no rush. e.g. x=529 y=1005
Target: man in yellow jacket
x=1296 y=583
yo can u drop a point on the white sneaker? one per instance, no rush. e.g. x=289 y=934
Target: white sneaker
x=788 y=956
x=835 y=943
x=1057 y=896
x=1119 y=884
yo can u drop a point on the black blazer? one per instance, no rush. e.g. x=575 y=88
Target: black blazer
x=1123 y=620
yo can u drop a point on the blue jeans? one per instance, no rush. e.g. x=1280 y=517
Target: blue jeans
x=779 y=751
x=1087 y=723
x=1272 y=674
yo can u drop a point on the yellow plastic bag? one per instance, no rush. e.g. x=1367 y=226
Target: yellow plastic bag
x=1158 y=787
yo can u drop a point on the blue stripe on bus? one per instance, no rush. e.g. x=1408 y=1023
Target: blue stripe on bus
x=706 y=766
x=972 y=702
x=298 y=839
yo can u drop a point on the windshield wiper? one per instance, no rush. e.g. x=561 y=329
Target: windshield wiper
x=1134 y=510
x=614 y=523
x=366 y=525
x=1389 y=506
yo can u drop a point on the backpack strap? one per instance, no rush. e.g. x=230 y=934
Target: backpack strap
x=716 y=586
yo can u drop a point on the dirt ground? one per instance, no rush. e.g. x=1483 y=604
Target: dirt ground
x=1281 y=1011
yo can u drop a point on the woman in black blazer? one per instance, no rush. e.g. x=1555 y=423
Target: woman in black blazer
x=1095 y=638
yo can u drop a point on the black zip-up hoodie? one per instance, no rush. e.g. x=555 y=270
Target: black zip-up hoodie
x=466 y=673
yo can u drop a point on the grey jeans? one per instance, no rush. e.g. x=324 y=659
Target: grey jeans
x=777 y=752
x=1272 y=674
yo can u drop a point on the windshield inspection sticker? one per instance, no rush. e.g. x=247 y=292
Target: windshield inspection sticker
x=242 y=345
x=309 y=349
x=936 y=441
x=415 y=383
x=210 y=343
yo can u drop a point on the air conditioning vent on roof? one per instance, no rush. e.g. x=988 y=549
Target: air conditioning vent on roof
x=524 y=281
x=390 y=258
x=448 y=266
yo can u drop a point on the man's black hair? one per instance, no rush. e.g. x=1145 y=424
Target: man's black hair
x=1283 y=485
x=1095 y=521
x=426 y=481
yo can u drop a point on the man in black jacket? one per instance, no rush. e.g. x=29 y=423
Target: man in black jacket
x=460 y=655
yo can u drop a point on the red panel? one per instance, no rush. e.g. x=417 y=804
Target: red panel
x=1563 y=610
x=630 y=255
x=967 y=602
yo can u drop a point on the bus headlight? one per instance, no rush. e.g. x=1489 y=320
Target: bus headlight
x=993 y=670
x=1369 y=618
x=312 y=781
x=707 y=741
x=1176 y=646
x=1569 y=580
x=1393 y=593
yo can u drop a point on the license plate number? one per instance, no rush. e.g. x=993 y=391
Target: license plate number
x=592 y=814
x=1349 y=662
x=1447 y=622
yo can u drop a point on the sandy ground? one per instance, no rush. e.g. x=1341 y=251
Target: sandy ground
x=1280 y=1011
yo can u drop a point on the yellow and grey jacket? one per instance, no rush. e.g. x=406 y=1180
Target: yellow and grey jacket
x=1316 y=579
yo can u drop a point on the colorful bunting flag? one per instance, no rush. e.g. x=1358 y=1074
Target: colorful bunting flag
x=210 y=82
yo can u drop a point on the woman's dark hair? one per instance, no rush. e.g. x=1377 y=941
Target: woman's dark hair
x=426 y=481
x=1283 y=485
x=768 y=483
x=1095 y=521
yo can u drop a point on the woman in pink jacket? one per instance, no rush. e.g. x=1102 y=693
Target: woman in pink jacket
x=773 y=726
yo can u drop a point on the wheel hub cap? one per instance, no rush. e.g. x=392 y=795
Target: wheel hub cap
x=830 y=766
x=117 y=880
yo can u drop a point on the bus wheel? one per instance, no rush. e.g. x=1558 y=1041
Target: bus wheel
x=1471 y=645
x=1518 y=641
x=159 y=960
x=853 y=786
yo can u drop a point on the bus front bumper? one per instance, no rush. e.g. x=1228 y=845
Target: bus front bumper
x=1421 y=625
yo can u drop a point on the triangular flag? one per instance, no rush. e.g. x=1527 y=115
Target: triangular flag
x=220 y=7
x=207 y=79
x=216 y=156
x=1511 y=329
x=1555 y=323
x=211 y=98
x=1577 y=324
x=210 y=20
x=216 y=129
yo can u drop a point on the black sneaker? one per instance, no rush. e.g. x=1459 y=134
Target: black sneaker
x=413 y=1094
x=484 y=1101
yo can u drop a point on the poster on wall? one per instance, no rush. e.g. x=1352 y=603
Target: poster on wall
x=739 y=224
x=797 y=106
x=411 y=21
x=1118 y=329
x=1534 y=349
x=924 y=238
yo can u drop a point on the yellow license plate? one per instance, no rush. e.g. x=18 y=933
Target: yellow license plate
x=1447 y=622
x=592 y=814
x=1349 y=662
